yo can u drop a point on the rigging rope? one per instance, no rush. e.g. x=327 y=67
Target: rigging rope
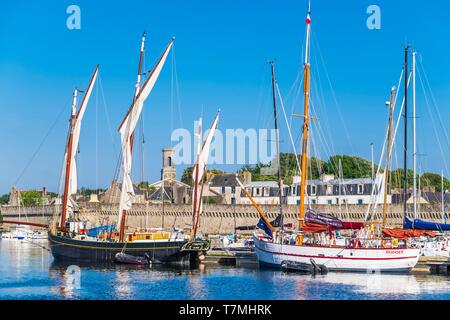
x=41 y=144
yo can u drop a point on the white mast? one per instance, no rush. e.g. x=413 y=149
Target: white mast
x=138 y=81
x=372 y=164
x=443 y=197
x=308 y=33
x=414 y=132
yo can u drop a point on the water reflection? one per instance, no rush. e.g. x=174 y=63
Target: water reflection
x=29 y=272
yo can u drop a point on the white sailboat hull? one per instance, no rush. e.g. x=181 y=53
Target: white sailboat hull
x=337 y=258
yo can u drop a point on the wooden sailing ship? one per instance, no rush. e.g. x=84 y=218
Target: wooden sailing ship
x=155 y=244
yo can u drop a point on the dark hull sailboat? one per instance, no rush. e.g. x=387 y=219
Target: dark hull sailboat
x=170 y=251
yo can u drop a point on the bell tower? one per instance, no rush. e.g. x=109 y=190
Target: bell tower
x=168 y=171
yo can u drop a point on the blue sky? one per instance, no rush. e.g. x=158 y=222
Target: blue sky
x=221 y=54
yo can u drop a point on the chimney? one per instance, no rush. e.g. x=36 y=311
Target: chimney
x=247 y=177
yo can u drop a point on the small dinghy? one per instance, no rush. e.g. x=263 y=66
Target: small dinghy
x=312 y=267
x=124 y=258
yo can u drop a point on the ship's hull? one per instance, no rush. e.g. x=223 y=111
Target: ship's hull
x=399 y=260
x=168 y=251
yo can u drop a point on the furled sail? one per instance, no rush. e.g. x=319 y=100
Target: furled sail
x=76 y=121
x=199 y=171
x=418 y=224
x=126 y=131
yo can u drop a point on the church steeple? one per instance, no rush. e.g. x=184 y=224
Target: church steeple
x=168 y=171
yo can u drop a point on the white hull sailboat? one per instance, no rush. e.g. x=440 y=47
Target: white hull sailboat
x=375 y=259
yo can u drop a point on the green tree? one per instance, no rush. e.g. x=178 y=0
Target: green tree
x=87 y=192
x=397 y=180
x=434 y=180
x=4 y=199
x=144 y=185
x=31 y=198
x=352 y=167
x=187 y=175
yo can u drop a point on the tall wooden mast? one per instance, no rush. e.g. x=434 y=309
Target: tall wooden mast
x=306 y=81
x=388 y=156
x=277 y=143
x=69 y=159
x=136 y=94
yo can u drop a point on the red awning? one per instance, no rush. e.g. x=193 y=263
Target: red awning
x=314 y=227
x=352 y=225
x=318 y=227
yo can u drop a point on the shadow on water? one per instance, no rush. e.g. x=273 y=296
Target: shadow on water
x=62 y=265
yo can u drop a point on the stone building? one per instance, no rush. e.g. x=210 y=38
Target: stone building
x=330 y=191
x=264 y=192
x=16 y=197
x=225 y=189
x=112 y=194
x=169 y=188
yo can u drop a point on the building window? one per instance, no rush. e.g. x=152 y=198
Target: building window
x=313 y=201
x=360 y=188
x=233 y=200
x=329 y=201
x=298 y=202
x=257 y=191
x=169 y=161
x=223 y=189
x=360 y=201
x=233 y=189
x=337 y=200
x=313 y=190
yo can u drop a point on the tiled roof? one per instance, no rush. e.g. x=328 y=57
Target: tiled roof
x=223 y=180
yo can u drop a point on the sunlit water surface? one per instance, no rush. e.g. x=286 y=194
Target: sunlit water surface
x=27 y=271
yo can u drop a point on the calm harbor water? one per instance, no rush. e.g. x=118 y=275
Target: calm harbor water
x=27 y=271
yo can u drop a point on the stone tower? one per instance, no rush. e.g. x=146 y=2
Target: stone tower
x=168 y=171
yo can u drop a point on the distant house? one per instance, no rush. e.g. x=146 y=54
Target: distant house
x=423 y=197
x=330 y=191
x=16 y=197
x=112 y=194
x=434 y=197
x=225 y=188
x=264 y=192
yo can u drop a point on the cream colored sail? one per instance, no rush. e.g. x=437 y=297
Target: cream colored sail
x=200 y=166
x=126 y=131
x=198 y=134
x=77 y=119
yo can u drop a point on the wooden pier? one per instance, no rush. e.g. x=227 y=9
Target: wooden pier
x=429 y=265
x=231 y=258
